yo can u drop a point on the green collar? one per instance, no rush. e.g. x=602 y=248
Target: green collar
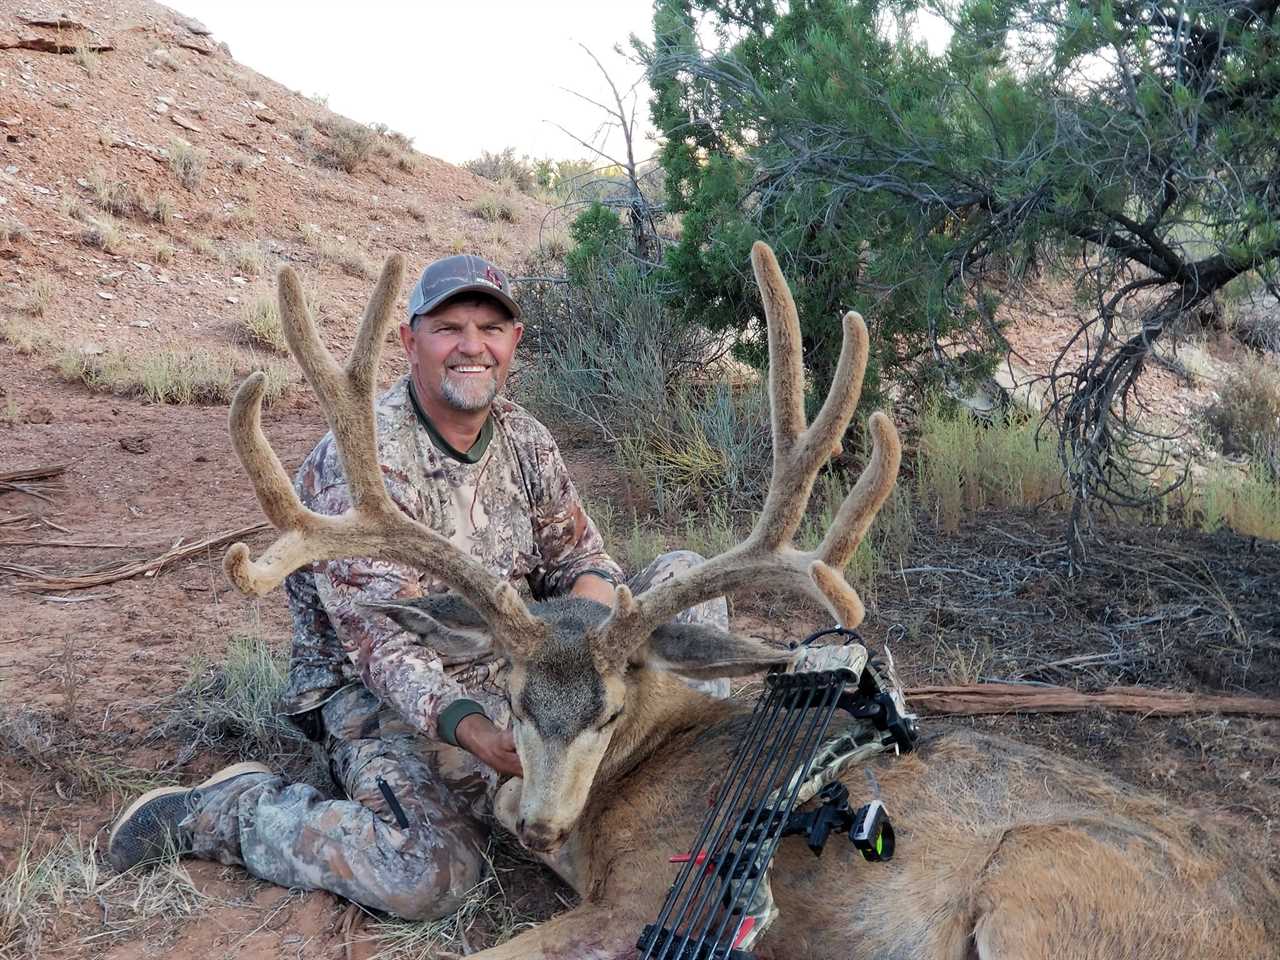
x=444 y=446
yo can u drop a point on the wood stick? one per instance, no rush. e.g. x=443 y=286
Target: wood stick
x=987 y=698
x=43 y=582
x=33 y=473
x=84 y=544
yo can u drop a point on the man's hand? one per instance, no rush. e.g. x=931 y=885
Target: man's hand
x=496 y=748
x=594 y=588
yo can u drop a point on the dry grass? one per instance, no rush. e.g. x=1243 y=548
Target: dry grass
x=38 y=296
x=11 y=413
x=248 y=259
x=65 y=886
x=203 y=246
x=162 y=252
x=86 y=58
x=24 y=338
x=349 y=257
x=965 y=466
x=52 y=744
x=260 y=323
x=110 y=194
x=1245 y=416
x=494 y=208
x=160 y=208
x=242 y=162
x=487 y=916
x=187 y=162
x=233 y=704
x=416 y=212
x=171 y=376
x=105 y=234
x=347 y=144
x=1247 y=503
x=11 y=231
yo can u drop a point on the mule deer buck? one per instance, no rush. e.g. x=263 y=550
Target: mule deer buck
x=1005 y=852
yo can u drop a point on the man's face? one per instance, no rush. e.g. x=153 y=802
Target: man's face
x=460 y=353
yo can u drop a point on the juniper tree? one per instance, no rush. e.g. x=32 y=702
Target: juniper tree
x=1137 y=142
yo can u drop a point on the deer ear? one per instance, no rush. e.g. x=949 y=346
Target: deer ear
x=700 y=652
x=444 y=623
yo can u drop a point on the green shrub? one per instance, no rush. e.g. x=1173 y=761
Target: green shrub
x=348 y=144
x=1245 y=417
x=494 y=207
x=965 y=465
x=504 y=166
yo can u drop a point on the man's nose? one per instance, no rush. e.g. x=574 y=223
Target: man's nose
x=470 y=341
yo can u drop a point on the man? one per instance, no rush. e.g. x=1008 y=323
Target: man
x=417 y=747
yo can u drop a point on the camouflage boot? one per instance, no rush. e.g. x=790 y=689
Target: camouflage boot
x=151 y=828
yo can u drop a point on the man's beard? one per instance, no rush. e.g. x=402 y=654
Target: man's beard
x=467 y=392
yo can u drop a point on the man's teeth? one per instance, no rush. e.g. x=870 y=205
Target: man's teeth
x=471 y=369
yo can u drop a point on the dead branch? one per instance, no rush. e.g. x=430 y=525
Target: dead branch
x=985 y=698
x=41 y=582
x=33 y=473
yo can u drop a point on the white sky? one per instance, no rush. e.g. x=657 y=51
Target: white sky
x=459 y=76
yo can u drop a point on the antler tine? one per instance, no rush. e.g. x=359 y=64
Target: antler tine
x=799 y=452
x=346 y=396
x=374 y=526
x=786 y=367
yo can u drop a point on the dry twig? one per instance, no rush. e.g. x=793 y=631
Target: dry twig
x=40 y=581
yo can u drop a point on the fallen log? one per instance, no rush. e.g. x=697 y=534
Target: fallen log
x=988 y=698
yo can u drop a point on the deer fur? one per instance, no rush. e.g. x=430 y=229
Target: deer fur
x=1005 y=852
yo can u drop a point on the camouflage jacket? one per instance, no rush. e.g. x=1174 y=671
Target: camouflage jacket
x=514 y=509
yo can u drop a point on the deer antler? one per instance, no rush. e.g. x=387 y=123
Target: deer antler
x=798 y=453
x=374 y=526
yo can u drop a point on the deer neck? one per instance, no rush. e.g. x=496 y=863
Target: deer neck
x=660 y=707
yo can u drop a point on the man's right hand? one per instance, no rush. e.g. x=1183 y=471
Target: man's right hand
x=496 y=748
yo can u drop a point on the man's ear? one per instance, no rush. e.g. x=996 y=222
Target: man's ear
x=443 y=622
x=700 y=652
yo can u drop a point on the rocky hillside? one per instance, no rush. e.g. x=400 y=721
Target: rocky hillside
x=150 y=184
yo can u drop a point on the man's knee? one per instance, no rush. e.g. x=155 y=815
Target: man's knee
x=440 y=887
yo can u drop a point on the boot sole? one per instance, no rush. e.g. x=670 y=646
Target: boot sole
x=223 y=775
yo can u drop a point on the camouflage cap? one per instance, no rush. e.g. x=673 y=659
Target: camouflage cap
x=465 y=273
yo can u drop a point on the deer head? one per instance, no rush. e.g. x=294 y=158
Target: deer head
x=577 y=669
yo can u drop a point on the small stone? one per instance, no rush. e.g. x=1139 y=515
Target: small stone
x=139 y=323
x=106 y=296
x=160 y=108
x=239 y=281
x=39 y=189
x=233 y=299
x=140 y=443
x=11 y=169
x=184 y=123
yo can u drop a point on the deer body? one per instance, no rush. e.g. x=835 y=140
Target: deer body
x=1005 y=852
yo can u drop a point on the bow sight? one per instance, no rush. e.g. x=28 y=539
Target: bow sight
x=720 y=902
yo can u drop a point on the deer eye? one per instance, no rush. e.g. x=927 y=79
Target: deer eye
x=613 y=719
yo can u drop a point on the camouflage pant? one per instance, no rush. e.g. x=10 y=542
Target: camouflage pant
x=409 y=838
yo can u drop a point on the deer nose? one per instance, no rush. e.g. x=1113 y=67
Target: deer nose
x=540 y=837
